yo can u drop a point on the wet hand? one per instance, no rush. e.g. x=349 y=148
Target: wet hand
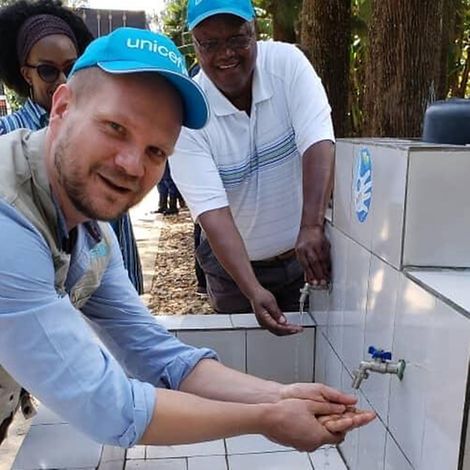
x=328 y=400
x=313 y=252
x=269 y=314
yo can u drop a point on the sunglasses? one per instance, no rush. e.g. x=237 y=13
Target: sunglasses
x=50 y=73
x=233 y=43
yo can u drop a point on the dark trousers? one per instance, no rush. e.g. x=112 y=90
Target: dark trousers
x=200 y=276
x=282 y=277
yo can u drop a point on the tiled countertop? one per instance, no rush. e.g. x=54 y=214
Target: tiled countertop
x=451 y=285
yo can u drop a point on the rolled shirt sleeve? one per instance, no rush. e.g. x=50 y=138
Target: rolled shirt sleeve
x=50 y=349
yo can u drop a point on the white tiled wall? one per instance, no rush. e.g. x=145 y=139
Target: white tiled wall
x=354 y=313
x=380 y=319
x=437 y=216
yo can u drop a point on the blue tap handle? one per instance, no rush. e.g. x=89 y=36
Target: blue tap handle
x=380 y=354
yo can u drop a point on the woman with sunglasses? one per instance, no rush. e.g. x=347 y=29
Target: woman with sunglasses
x=40 y=41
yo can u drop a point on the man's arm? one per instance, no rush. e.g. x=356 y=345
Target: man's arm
x=221 y=402
x=228 y=246
x=312 y=247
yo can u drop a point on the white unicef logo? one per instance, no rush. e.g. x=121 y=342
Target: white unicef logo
x=362 y=186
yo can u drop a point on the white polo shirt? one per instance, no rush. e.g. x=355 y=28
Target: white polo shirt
x=253 y=163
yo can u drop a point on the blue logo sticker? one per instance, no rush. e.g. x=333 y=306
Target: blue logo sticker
x=362 y=185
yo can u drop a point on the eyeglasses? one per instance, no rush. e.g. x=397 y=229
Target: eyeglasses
x=50 y=73
x=234 y=43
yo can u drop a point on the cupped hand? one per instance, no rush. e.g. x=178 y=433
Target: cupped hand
x=328 y=400
x=269 y=315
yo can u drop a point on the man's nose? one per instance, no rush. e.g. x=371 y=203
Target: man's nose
x=131 y=162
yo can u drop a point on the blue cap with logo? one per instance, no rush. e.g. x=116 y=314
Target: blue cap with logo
x=199 y=10
x=132 y=50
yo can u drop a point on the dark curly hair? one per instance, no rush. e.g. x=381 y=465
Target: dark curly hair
x=11 y=19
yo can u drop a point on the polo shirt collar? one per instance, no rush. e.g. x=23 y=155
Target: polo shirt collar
x=221 y=106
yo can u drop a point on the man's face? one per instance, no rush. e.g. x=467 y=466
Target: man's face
x=109 y=147
x=226 y=49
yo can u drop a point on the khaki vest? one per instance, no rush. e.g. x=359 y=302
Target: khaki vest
x=25 y=186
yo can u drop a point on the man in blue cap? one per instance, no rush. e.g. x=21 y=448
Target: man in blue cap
x=263 y=166
x=112 y=127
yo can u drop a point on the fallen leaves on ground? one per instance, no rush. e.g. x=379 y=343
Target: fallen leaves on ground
x=174 y=284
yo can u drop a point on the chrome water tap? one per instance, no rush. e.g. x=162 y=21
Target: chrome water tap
x=380 y=363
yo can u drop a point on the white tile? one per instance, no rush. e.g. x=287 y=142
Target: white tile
x=321 y=353
x=251 y=444
x=229 y=345
x=414 y=311
x=333 y=369
x=272 y=461
x=389 y=188
x=56 y=446
x=297 y=319
x=318 y=304
x=134 y=453
x=244 y=320
x=163 y=464
x=370 y=443
x=394 y=457
x=195 y=322
x=282 y=358
x=357 y=279
x=328 y=458
x=339 y=253
x=453 y=285
x=380 y=319
x=187 y=450
x=213 y=462
x=434 y=340
x=437 y=216
x=343 y=185
x=446 y=366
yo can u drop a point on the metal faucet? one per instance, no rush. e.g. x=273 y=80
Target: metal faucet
x=305 y=293
x=380 y=363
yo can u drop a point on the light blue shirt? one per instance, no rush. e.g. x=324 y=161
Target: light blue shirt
x=50 y=349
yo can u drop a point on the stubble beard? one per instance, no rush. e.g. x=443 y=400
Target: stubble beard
x=74 y=186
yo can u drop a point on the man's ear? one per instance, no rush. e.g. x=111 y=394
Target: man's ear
x=61 y=101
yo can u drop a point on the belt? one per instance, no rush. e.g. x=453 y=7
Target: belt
x=282 y=257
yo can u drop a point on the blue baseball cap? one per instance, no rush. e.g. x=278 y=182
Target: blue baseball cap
x=133 y=50
x=199 y=10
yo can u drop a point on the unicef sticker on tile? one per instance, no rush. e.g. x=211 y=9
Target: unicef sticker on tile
x=362 y=185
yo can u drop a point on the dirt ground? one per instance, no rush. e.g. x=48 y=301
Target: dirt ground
x=174 y=283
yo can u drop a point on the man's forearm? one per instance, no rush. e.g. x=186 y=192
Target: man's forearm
x=211 y=379
x=228 y=246
x=182 y=418
x=318 y=174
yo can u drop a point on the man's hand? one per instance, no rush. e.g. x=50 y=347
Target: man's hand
x=327 y=398
x=347 y=421
x=293 y=422
x=269 y=315
x=313 y=252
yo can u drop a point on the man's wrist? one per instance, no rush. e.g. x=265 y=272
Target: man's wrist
x=312 y=226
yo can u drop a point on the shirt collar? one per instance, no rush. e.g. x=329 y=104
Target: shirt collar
x=37 y=113
x=221 y=106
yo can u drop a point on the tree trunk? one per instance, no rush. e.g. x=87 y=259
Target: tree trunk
x=326 y=35
x=402 y=68
x=285 y=15
x=448 y=27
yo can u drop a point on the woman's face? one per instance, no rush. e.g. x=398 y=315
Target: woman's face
x=47 y=66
